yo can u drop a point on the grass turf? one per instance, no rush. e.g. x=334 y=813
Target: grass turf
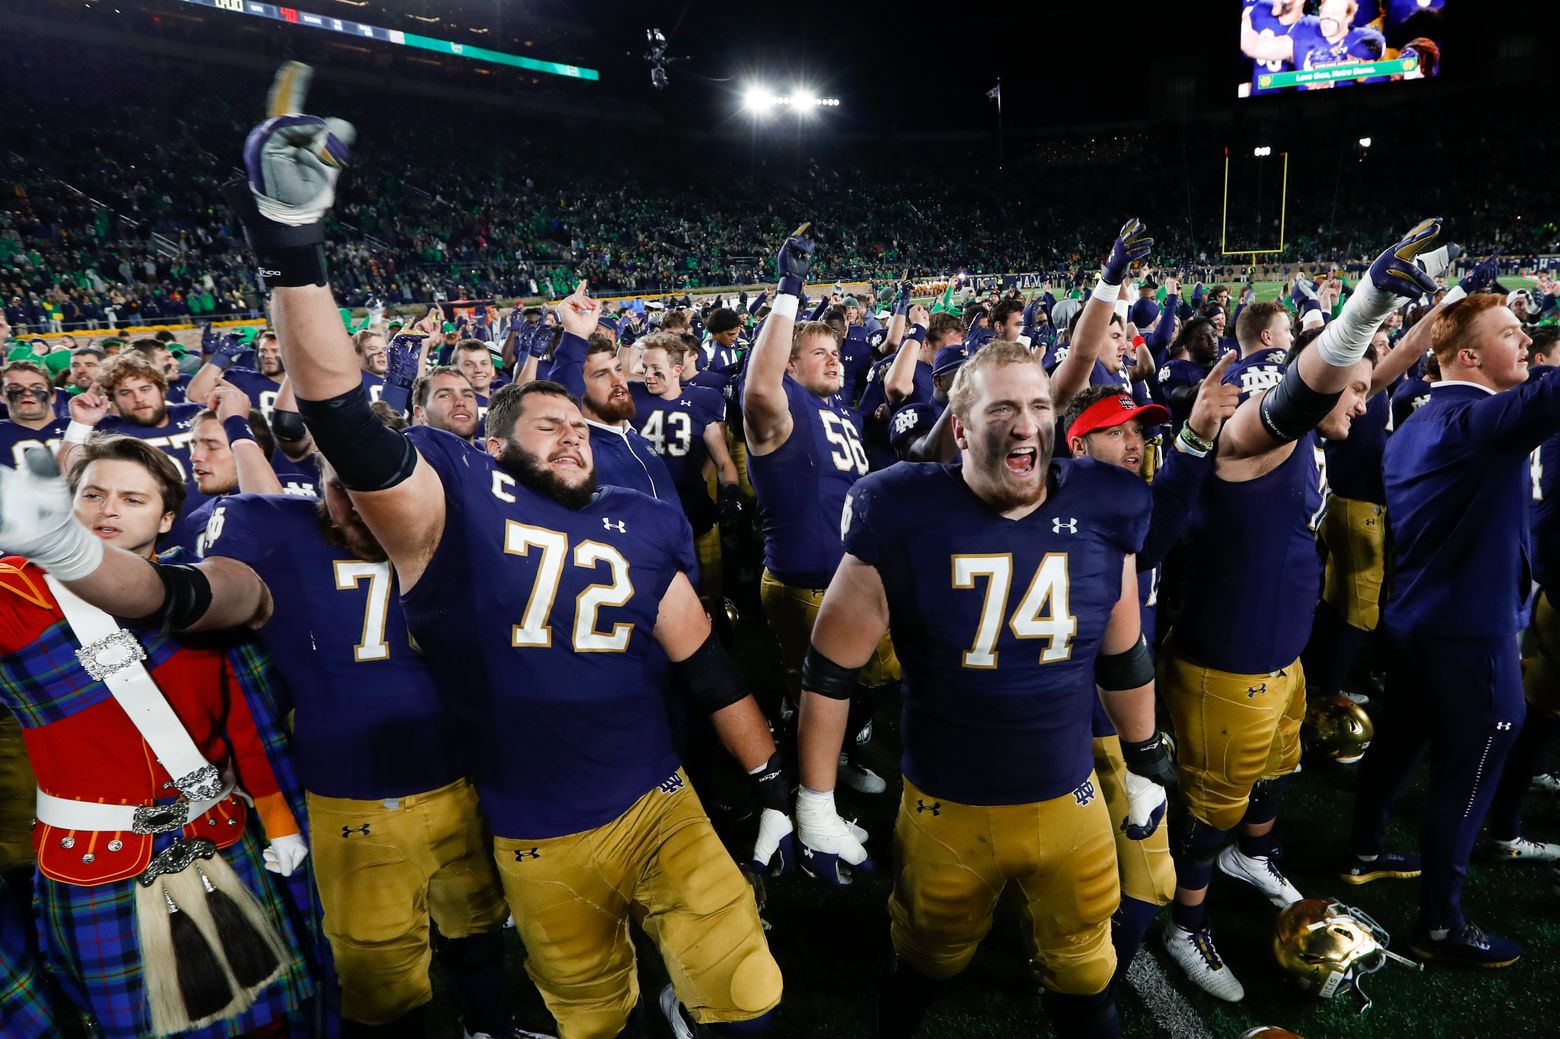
x=828 y=943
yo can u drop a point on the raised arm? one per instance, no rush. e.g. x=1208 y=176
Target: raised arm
x=293 y=161
x=1072 y=375
x=899 y=383
x=766 y=414
x=255 y=475
x=224 y=351
x=1314 y=382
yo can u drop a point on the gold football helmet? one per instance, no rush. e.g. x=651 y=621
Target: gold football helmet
x=1327 y=947
x=1339 y=726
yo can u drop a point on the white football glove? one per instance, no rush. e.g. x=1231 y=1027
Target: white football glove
x=285 y=854
x=829 y=844
x=38 y=522
x=1145 y=807
x=293 y=159
x=774 y=850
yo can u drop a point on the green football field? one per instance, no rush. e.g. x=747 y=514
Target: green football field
x=829 y=943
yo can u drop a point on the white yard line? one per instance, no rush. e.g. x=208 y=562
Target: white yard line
x=1170 y=1009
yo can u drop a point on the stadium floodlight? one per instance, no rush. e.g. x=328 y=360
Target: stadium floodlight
x=1262 y=151
x=1364 y=142
x=758 y=101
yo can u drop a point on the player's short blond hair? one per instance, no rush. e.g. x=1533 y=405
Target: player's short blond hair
x=961 y=396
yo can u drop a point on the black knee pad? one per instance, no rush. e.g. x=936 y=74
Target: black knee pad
x=1267 y=796
x=1194 y=841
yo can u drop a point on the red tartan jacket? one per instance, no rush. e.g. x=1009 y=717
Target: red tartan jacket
x=83 y=746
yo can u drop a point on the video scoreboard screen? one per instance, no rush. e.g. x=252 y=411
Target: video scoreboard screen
x=1289 y=45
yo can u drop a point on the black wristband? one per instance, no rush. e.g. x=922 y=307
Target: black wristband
x=774 y=784
x=285 y=255
x=237 y=428
x=1150 y=759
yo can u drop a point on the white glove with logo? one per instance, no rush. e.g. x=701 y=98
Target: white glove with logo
x=830 y=845
x=293 y=159
x=1145 y=807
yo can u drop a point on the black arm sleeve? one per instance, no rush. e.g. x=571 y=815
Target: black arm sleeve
x=1292 y=409
x=366 y=454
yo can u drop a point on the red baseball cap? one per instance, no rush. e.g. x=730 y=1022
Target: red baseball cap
x=1113 y=411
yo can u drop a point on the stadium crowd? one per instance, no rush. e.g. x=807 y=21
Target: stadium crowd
x=319 y=640
x=97 y=230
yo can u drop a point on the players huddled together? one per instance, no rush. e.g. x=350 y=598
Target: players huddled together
x=352 y=645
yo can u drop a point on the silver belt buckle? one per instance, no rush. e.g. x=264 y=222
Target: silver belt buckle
x=110 y=654
x=161 y=818
x=204 y=784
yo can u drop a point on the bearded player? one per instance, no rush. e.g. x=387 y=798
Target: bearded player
x=552 y=670
x=1010 y=580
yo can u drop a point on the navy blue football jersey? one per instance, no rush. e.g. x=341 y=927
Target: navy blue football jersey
x=855 y=358
x=1256 y=372
x=260 y=389
x=997 y=622
x=1267 y=27
x=538 y=622
x=369 y=723
x=1408 y=396
x=17 y=440
x=1249 y=597
x=801 y=487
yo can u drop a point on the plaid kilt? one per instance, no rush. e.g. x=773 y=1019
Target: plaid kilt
x=24 y=1003
x=88 y=941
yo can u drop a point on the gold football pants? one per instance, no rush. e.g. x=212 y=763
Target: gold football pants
x=383 y=868
x=953 y=862
x=659 y=862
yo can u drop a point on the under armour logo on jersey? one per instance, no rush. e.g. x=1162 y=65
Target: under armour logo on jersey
x=1070 y=525
x=1502 y=726
x=348 y=831
x=1084 y=793
x=620 y=526
x=671 y=784
x=921 y=806
x=1253 y=690
x=521 y=854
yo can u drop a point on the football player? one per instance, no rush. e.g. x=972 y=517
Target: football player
x=1237 y=702
x=1110 y=427
x=446 y=399
x=260 y=384
x=1012 y=580
x=228 y=454
x=576 y=598
x=804 y=452
x=684 y=425
x=370 y=348
x=30 y=420
x=135 y=388
x=591 y=369
x=1262 y=22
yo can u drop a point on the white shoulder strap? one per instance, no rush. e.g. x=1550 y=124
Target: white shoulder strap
x=112 y=655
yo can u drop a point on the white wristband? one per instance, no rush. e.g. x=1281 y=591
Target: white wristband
x=1454 y=294
x=814 y=805
x=77 y=432
x=1105 y=292
x=784 y=305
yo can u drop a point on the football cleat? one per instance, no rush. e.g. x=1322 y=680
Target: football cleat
x=1326 y=947
x=1269 y=1032
x=1470 y=947
x=1194 y=953
x=676 y=1016
x=1545 y=782
x=1523 y=849
x=860 y=778
x=1261 y=872
x=513 y=1033
x=1339 y=727
x=1389 y=865
x=864 y=737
